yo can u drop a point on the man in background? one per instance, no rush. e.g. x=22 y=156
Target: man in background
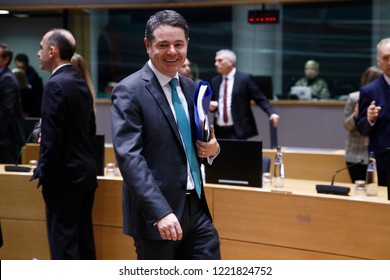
x=233 y=92
x=35 y=85
x=185 y=69
x=319 y=88
x=66 y=167
x=12 y=134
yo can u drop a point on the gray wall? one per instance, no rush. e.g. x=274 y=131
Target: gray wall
x=307 y=126
x=24 y=35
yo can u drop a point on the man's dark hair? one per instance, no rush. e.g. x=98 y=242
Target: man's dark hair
x=7 y=52
x=66 y=48
x=23 y=58
x=166 y=17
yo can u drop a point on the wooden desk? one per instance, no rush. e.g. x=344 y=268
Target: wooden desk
x=295 y=223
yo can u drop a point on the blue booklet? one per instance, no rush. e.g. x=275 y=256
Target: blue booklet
x=202 y=98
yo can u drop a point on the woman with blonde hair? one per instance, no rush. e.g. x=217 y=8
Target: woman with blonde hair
x=356 y=146
x=78 y=62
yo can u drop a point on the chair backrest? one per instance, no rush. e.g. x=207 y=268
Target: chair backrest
x=29 y=126
x=273 y=131
x=266 y=164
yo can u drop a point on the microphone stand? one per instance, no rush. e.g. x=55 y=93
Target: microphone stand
x=338 y=190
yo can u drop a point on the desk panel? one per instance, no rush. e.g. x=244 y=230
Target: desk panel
x=31 y=152
x=20 y=198
x=24 y=239
x=292 y=223
x=303 y=220
x=112 y=244
x=107 y=208
x=312 y=164
x=239 y=250
x=22 y=214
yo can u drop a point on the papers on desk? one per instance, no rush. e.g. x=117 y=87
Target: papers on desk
x=202 y=98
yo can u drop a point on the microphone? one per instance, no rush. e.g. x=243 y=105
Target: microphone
x=338 y=190
x=16 y=167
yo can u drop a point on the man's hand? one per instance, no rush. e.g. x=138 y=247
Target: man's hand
x=208 y=149
x=275 y=120
x=373 y=112
x=213 y=106
x=169 y=228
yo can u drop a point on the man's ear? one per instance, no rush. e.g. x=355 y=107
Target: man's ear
x=52 y=50
x=146 y=42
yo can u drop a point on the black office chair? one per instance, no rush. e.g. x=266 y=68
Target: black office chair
x=30 y=124
x=266 y=164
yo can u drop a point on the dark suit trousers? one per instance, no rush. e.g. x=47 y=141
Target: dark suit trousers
x=357 y=172
x=381 y=164
x=200 y=239
x=69 y=222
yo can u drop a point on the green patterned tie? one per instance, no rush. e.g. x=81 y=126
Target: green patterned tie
x=185 y=131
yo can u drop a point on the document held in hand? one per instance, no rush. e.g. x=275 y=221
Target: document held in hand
x=202 y=98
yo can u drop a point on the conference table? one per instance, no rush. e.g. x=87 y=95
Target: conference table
x=253 y=223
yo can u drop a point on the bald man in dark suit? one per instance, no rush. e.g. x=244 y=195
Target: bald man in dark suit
x=66 y=168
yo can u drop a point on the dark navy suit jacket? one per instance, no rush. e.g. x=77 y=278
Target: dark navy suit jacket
x=149 y=152
x=379 y=133
x=244 y=91
x=11 y=118
x=68 y=128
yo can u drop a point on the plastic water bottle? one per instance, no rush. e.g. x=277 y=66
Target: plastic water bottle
x=371 y=177
x=278 y=169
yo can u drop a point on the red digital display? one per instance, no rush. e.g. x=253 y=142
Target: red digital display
x=263 y=16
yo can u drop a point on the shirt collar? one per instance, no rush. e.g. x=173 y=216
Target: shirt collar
x=58 y=67
x=231 y=74
x=387 y=79
x=162 y=79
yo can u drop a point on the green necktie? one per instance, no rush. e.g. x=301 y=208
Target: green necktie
x=185 y=131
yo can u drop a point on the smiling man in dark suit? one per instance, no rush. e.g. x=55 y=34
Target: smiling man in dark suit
x=66 y=167
x=233 y=92
x=154 y=138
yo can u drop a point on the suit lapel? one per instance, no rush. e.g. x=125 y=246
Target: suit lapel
x=235 y=88
x=218 y=83
x=154 y=88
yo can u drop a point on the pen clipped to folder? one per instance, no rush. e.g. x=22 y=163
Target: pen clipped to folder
x=202 y=98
